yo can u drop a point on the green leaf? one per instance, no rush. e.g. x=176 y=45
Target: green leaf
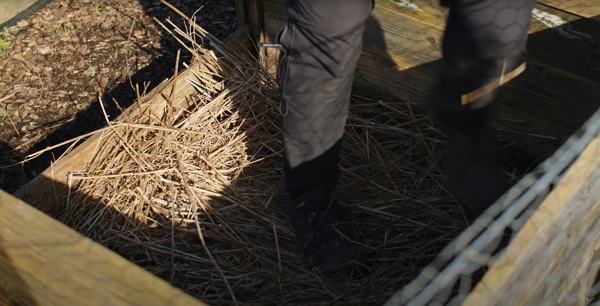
x=4 y=43
x=3 y=113
x=90 y=72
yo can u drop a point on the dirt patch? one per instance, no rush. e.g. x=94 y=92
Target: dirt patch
x=55 y=64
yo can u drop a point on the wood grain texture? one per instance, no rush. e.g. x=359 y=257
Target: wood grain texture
x=256 y=21
x=574 y=47
x=392 y=44
x=44 y=191
x=554 y=258
x=11 y=8
x=565 y=41
x=429 y=11
x=44 y=262
x=241 y=42
x=585 y=8
x=241 y=12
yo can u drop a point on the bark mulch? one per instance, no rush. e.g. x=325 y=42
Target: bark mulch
x=55 y=63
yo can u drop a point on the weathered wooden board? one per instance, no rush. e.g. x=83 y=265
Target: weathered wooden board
x=573 y=44
x=11 y=8
x=240 y=12
x=429 y=11
x=44 y=191
x=554 y=258
x=44 y=262
x=551 y=99
x=589 y=9
x=565 y=41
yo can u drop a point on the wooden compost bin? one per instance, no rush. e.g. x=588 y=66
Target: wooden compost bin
x=44 y=262
x=536 y=113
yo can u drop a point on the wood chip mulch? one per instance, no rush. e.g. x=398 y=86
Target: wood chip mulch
x=55 y=63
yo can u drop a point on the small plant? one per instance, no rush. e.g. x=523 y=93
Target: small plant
x=65 y=30
x=3 y=114
x=90 y=72
x=96 y=9
x=4 y=43
x=52 y=31
x=9 y=30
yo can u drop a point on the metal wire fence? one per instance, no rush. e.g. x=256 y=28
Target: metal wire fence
x=450 y=278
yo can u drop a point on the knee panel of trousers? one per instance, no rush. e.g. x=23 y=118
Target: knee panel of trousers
x=488 y=28
x=331 y=17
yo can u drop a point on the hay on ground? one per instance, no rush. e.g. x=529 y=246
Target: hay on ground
x=195 y=196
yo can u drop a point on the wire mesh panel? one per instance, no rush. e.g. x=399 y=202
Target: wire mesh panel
x=553 y=214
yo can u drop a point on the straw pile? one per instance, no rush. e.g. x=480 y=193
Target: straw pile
x=194 y=194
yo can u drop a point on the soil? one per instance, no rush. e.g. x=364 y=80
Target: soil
x=55 y=64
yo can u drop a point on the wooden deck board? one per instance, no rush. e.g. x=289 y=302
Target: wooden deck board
x=44 y=262
x=565 y=41
x=574 y=47
x=429 y=11
x=589 y=9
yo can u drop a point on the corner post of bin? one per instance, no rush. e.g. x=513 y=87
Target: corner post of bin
x=251 y=13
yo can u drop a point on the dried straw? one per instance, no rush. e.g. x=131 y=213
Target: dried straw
x=195 y=195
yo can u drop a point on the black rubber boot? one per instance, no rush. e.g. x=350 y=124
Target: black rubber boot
x=326 y=239
x=473 y=172
x=483 y=41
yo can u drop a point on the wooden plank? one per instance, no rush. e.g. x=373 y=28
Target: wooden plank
x=393 y=42
x=241 y=12
x=256 y=22
x=240 y=42
x=255 y=16
x=42 y=191
x=554 y=257
x=429 y=11
x=11 y=8
x=565 y=41
x=250 y=13
x=584 y=8
x=44 y=262
x=572 y=45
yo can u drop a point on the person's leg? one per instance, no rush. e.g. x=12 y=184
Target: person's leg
x=321 y=45
x=483 y=41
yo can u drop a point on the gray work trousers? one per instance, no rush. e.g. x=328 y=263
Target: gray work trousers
x=322 y=42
